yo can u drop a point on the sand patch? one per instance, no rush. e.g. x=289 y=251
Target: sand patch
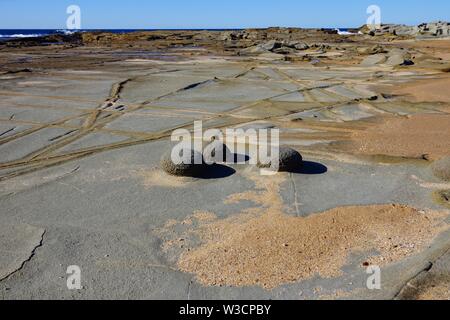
x=430 y=90
x=158 y=178
x=271 y=250
x=442 y=197
x=437 y=48
x=438 y=291
x=435 y=291
x=262 y=246
x=414 y=136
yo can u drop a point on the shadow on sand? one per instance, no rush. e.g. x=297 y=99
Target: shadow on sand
x=311 y=168
x=216 y=171
x=220 y=171
x=237 y=159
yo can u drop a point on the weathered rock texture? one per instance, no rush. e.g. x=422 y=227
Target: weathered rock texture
x=433 y=29
x=441 y=168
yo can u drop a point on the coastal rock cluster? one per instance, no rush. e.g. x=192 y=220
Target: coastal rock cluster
x=393 y=57
x=433 y=29
x=289 y=159
x=279 y=47
x=275 y=39
x=279 y=34
x=292 y=38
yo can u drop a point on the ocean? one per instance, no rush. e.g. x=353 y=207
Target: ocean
x=7 y=34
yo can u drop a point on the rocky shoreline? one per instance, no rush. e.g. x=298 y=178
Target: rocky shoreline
x=287 y=44
x=422 y=31
x=86 y=119
x=238 y=38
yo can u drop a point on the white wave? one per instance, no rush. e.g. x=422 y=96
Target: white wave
x=344 y=33
x=66 y=32
x=20 y=35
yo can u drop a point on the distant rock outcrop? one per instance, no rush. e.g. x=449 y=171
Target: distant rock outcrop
x=432 y=29
x=393 y=57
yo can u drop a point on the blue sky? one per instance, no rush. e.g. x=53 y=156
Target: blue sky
x=148 y=14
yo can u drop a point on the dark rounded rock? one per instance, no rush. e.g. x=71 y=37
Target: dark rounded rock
x=408 y=62
x=441 y=168
x=189 y=169
x=290 y=160
x=211 y=152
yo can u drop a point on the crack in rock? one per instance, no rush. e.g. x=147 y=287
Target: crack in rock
x=21 y=244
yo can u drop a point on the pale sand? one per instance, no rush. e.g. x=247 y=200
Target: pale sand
x=158 y=178
x=263 y=246
x=435 y=291
x=430 y=90
x=429 y=286
x=414 y=136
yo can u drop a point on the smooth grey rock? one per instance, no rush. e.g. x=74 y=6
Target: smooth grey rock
x=441 y=168
x=371 y=50
x=266 y=47
x=190 y=169
x=284 y=50
x=374 y=60
x=271 y=56
x=296 y=45
x=17 y=244
x=252 y=50
x=424 y=30
x=270 y=45
x=290 y=160
x=216 y=152
x=396 y=60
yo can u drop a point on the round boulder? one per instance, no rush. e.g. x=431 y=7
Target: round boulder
x=441 y=168
x=290 y=160
x=212 y=150
x=189 y=169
